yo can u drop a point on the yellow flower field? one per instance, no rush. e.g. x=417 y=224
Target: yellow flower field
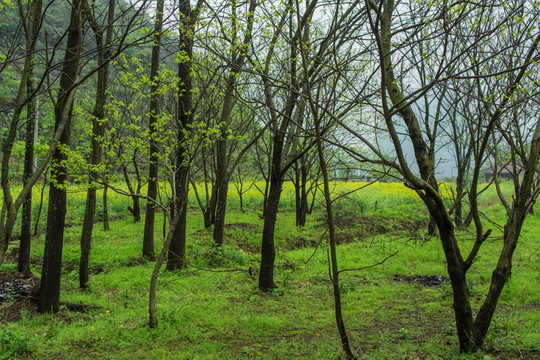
x=361 y=196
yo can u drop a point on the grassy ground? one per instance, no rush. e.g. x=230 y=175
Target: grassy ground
x=208 y=311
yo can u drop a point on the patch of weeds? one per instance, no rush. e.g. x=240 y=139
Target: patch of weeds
x=277 y=291
x=226 y=256
x=450 y=328
x=446 y=290
x=349 y=284
x=405 y=334
x=14 y=341
x=495 y=333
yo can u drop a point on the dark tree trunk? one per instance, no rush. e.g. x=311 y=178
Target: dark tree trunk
x=222 y=185
x=31 y=128
x=210 y=210
x=86 y=238
x=301 y=194
x=268 y=253
x=136 y=209
x=26 y=222
x=223 y=173
x=458 y=212
x=98 y=131
x=177 y=249
x=49 y=295
x=106 y=225
x=149 y=220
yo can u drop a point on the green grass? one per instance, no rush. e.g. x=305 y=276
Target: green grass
x=207 y=314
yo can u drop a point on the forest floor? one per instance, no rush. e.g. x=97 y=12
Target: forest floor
x=400 y=309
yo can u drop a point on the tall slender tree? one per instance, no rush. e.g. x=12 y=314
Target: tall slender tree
x=32 y=27
x=49 y=296
x=152 y=191
x=188 y=19
x=103 y=36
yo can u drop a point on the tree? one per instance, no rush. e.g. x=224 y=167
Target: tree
x=459 y=29
x=149 y=220
x=184 y=123
x=103 y=37
x=32 y=27
x=237 y=60
x=283 y=91
x=49 y=295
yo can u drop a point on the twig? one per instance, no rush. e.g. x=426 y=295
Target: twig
x=369 y=266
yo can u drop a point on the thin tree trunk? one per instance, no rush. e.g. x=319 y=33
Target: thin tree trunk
x=333 y=255
x=98 y=115
x=153 y=321
x=106 y=225
x=31 y=115
x=32 y=30
x=8 y=215
x=210 y=210
x=149 y=221
x=36 y=223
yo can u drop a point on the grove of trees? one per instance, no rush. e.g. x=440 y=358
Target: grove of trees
x=195 y=95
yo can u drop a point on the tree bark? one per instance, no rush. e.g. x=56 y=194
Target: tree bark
x=268 y=252
x=149 y=220
x=49 y=295
x=98 y=115
x=177 y=250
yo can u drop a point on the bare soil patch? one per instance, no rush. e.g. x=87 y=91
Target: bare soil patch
x=17 y=293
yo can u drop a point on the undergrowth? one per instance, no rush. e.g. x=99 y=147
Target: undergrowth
x=213 y=309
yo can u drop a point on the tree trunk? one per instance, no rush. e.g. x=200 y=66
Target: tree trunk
x=210 y=210
x=155 y=273
x=222 y=184
x=98 y=132
x=34 y=19
x=49 y=295
x=31 y=115
x=8 y=215
x=106 y=225
x=149 y=220
x=177 y=250
x=301 y=194
x=268 y=253
x=458 y=212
